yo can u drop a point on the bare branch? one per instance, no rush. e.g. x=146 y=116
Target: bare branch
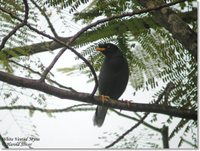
x=85 y=97
x=49 y=79
x=47 y=18
x=165 y=139
x=33 y=108
x=3 y=142
x=167 y=90
x=82 y=58
x=135 y=119
x=189 y=143
x=17 y=27
x=128 y=131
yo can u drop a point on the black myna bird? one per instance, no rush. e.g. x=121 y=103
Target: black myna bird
x=113 y=77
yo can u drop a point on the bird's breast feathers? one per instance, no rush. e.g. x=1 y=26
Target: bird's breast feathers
x=113 y=77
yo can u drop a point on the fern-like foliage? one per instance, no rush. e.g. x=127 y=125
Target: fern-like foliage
x=72 y=4
x=153 y=54
x=21 y=37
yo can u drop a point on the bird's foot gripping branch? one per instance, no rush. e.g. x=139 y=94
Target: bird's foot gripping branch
x=104 y=98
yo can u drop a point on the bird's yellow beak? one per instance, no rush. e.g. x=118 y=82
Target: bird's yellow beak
x=100 y=49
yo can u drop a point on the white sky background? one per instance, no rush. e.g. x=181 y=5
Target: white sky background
x=75 y=129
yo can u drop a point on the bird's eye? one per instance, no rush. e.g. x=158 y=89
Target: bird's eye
x=108 y=46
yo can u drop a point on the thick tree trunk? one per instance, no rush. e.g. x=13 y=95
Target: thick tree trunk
x=180 y=30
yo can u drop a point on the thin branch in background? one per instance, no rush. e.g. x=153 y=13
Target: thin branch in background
x=91 y=69
x=135 y=119
x=167 y=90
x=47 y=19
x=165 y=139
x=187 y=142
x=72 y=108
x=128 y=131
x=3 y=142
x=79 y=56
x=49 y=79
x=17 y=27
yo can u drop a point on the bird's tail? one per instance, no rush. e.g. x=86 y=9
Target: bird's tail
x=100 y=115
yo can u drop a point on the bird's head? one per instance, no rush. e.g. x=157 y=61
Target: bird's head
x=108 y=49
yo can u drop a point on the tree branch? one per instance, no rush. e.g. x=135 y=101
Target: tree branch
x=66 y=46
x=52 y=45
x=33 y=48
x=165 y=136
x=188 y=16
x=181 y=31
x=81 y=57
x=38 y=73
x=47 y=19
x=3 y=142
x=33 y=108
x=85 y=97
x=187 y=142
x=135 y=119
x=127 y=14
x=167 y=90
x=82 y=31
x=93 y=24
x=128 y=131
x=23 y=23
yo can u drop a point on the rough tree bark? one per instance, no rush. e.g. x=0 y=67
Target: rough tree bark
x=87 y=98
x=179 y=29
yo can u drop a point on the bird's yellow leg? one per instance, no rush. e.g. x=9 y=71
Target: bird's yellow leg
x=104 y=98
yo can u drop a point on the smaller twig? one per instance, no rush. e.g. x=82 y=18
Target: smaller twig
x=47 y=19
x=47 y=70
x=166 y=90
x=189 y=143
x=165 y=136
x=135 y=119
x=91 y=69
x=38 y=73
x=17 y=27
x=128 y=131
x=3 y=142
x=33 y=108
x=81 y=57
